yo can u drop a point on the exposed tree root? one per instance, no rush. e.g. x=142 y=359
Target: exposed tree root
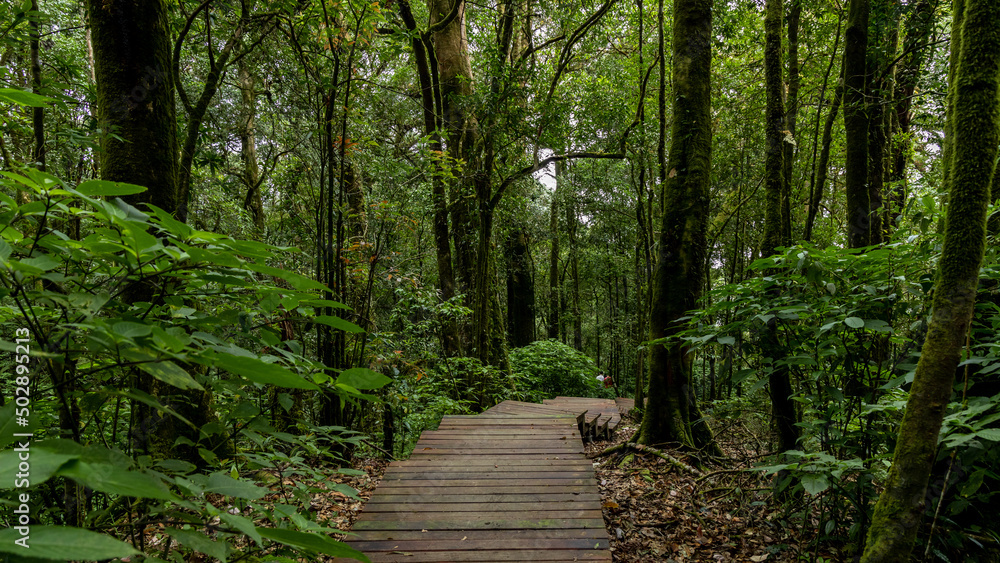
x=653 y=451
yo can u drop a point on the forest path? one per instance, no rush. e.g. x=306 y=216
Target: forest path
x=512 y=484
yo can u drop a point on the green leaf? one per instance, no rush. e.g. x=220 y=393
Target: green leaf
x=298 y=281
x=338 y=323
x=728 y=340
x=815 y=483
x=95 y=188
x=164 y=370
x=363 y=378
x=225 y=485
x=8 y=425
x=854 y=322
x=312 y=542
x=262 y=372
x=64 y=543
x=243 y=525
x=990 y=434
x=972 y=484
x=200 y=543
x=111 y=479
x=127 y=329
x=44 y=464
x=22 y=98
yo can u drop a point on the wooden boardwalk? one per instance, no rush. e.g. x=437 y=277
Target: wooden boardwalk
x=512 y=484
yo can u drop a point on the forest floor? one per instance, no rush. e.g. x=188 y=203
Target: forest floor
x=654 y=512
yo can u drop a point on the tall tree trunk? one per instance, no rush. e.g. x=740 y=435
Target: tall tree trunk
x=779 y=380
x=791 y=117
x=976 y=127
x=253 y=203
x=574 y=268
x=424 y=56
x=520 y=290
x=37 y=113
x=856 y=125
x=882 y=42
x=672 y=414
x=918 y=28
x=554 y=305
x=135 y=97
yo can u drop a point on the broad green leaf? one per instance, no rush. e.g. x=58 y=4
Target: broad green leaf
x=990 y=434
x=854 y=322
x=22 y=98
x=313 y=542
x=8 y=425
x=201 y=543
x=63 y=543
x=298 y=281
x=242 y=524
x=95 y=188
x=5 y=250
x=815 y=483
x=262 y=372
x=338 y=323
x=972 y=484
x=226 y=485
x=362 y=378
x=44 y=463
x=127 y=329
x=112 y=480
x=164 y=370
x=728 y=340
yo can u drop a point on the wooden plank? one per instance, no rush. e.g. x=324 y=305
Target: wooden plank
x=498 y=463
x=494 y=524
x=585 y=544
x=557 y=481
x=512 y=489
x=473 y=517
x=520 y=475
x=497 y=507
x=447 y=498
x=516 y=535
x=492 y=556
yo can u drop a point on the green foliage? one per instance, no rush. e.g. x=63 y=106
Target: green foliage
x=553 y=368
x=111 y=298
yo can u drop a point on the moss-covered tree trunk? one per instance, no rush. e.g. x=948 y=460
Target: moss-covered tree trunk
x=918 y=29
x=775 y=232
x=976 y=129
x=672 y=414
x=791 y=115
x=135 y=97
x=856 y=124
x=253 y=203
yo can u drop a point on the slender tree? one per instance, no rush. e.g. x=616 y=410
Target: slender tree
x=975 y=125
x=856 y=124
x=775 y=233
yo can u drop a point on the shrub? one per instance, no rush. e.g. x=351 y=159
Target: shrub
x=554 y=368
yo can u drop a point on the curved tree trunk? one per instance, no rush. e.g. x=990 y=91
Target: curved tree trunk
x=976 y=129
x=672 y=414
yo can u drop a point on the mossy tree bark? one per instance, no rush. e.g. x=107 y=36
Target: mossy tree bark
x=975 y=126
x=918 y=27
x=135 y=101
x=791 y=115
x=135 y=97
x=253 y=203
x=672 y=414
x=856 y=124
x=775 y=232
